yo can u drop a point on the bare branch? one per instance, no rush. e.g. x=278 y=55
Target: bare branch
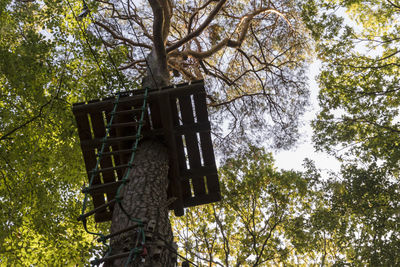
x=119 y=37
x=244 y=24
x=199 y=30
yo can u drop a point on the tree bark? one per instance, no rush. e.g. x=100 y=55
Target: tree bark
x=145 y=198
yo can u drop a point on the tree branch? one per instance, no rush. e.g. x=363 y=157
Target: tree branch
x=27 y=122
x=158 y=31
x=244 y=24
x=199 y=30
x=119 y=37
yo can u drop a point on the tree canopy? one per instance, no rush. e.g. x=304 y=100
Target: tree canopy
x=359 y=81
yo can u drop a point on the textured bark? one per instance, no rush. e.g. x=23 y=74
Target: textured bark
x=145 y=198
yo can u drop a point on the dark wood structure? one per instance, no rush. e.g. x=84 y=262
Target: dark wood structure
x=178 y=117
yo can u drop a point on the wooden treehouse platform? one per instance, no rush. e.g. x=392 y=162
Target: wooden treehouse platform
x=178 y=117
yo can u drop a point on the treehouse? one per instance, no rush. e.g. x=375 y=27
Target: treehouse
x=176 y=116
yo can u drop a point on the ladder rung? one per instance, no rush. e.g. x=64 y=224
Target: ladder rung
x=119 y=139
x=99 y=208
x=95 y=188
x=119 y=232
x=110 y=258
x=127 y=112
x=126 y=124
x=122 y=151
x=111 y=168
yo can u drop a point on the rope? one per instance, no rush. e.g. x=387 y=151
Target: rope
x=141 y=49
x=88 y=44
x=141 y=234
x=122 y=83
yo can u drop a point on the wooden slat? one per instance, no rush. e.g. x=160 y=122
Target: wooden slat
x=97 y=209
x=112 y=168
x=194 y=127
x=116 y=157
x=205 y=140
x=198 y=172
x=125 y=124
x=95 y=143
x=152 y=97
x=192 y=145
x=128 y=112
x=104 y=216
x=201 y=199
x=99 y=130
x=88 y=155
x=117 y=152
x=185 y=185
x=166 y=115
x=102 y=188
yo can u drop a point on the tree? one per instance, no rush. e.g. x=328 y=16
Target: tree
x=359 y=93
x=358 y=123
x=363 y=207
x=262 y=220
x=254 y=53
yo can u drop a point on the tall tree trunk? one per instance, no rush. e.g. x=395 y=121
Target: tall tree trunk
x=145 y=198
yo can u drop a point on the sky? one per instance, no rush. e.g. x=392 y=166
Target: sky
x=293 y=159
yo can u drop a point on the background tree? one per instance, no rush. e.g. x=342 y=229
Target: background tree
x=357 y=43
x=359 y=93
x=262 y=220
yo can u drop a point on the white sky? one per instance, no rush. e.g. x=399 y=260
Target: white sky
x=293 y=159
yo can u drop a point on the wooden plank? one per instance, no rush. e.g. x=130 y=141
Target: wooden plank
x=102 y=188
x=116 y=157
x=201 y=199
x=155 y=115
x=194 y=127
x=153 y=95
x=88 y=155
x=205 y=141
x=192 y=145
x=166 y=118
x=99 y=132
x=185 y=185
x=199 y=172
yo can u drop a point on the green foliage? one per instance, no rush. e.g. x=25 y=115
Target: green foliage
x=359 y=123
x=261 y=220
x=41 y=169
x=361 y=218
x=359 y=81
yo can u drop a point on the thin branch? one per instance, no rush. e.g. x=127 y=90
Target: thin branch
x=119 y=37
